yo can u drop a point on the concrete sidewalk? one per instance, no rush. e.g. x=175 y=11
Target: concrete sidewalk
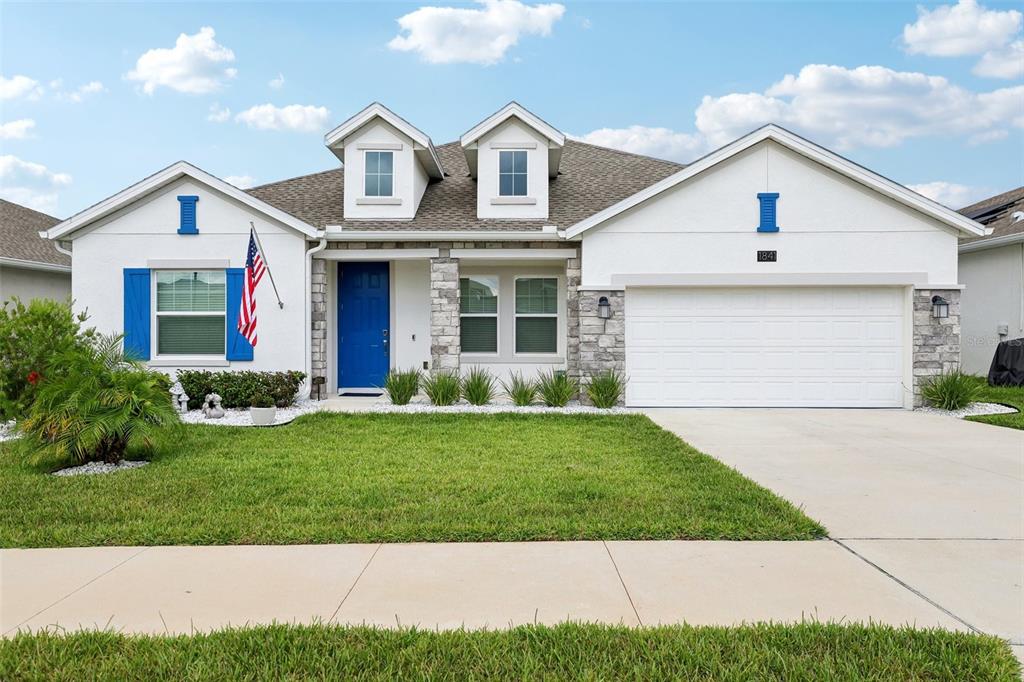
x=181 y=589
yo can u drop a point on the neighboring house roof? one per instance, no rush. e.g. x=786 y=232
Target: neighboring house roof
x=162 y=178
x=1003 y=214
x=591 y=179
x=20 y=243
x=805 y=148
x=424 y=147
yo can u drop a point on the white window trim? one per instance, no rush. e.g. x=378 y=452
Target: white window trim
x=368 y=199
x=498 y=200
x=170 y=359
x=559 y=323
x=496 y=315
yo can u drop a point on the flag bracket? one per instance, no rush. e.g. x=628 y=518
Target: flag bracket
x=280 y=303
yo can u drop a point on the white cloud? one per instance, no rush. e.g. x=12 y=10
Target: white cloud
x=950 y=194
x=966 y=28
x=16 y=130
x=197 y=64
x=30 y=184
x=659 y=142
x=218 y=114
x=19 y=86
x=241 y=181
x=1007 y=62
x=298 y=117
x=450 y=35
x=79 y=93
x=869 y=106
x=277 y=83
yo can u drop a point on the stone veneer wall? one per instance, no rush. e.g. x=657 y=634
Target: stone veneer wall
x=444 y=305
x=936 y=341
x=602 y=343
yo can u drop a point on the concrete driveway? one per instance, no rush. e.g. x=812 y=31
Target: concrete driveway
x=935 y=503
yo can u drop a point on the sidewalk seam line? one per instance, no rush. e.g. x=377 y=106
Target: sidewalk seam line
x=623 y=583
x=355 y=582
x=905 y=585
x=77 y=589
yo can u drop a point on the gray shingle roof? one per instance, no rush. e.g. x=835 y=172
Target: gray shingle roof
x=997 y=212
x=19 y=235
x=590 y=179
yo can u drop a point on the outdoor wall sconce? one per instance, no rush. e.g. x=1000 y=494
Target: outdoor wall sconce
x=940 y=307
x=604 y=308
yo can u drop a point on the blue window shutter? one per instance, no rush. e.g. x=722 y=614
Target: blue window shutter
x=768 y=211
x=137 y=312
x=237 y=345
x=188 y=215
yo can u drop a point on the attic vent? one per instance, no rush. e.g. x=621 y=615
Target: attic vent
x=188 y=215
x=768 y=212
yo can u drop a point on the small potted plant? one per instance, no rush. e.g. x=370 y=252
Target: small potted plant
x=262 y=410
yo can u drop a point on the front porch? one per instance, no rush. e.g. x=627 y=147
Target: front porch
x=378 y=306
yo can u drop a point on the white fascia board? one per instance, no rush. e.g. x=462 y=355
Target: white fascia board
x=733 y=279
x=160 y=179
x=376 y=254
x=378 y=110
x=805 y=148
x=991 y=243
x=33 y=265
x=336 y=233
x=508 y=111
x=514 y=254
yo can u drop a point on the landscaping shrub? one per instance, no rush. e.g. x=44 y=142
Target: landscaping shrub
x=260 y=399
x=521 y=391
x=478 y=386
x=101 y=404
x=235 y=388
x=950 y=390
x=443 y=388
x=32 y=336
x=556 y=389
x=606 y=388
x=402 y=385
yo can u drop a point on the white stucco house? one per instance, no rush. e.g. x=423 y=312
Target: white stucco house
x=771 y=272
x=30 y=266
x=992 y=272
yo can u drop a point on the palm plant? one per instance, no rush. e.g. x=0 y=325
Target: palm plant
x=522 y=391
x=442 y=387
x=478 y=386
x=556 y=388
x=102 y=405
x=606 y=388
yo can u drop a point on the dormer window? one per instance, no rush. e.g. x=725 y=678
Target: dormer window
x=512 y=173
x=380 y=174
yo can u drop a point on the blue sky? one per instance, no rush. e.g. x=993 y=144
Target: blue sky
x=97 y=96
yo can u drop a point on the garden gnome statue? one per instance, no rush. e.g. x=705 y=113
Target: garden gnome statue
x=211 y=406
x=179 y=398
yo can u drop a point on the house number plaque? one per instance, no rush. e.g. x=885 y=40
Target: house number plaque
x=767 y=256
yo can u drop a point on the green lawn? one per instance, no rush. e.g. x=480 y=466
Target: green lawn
x=578 y=652
x=1006 y=395
x=397 y=478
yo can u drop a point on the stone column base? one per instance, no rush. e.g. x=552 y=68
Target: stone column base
x=936 y=341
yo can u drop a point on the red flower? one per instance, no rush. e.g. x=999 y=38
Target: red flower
x=33 y=377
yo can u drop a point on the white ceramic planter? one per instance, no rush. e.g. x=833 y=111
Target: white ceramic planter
x=262 y=416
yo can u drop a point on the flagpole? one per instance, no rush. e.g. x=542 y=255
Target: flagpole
x=280 y=304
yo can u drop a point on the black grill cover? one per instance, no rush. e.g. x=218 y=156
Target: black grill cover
x=1007 y=364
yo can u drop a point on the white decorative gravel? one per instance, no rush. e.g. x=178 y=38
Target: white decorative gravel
x=99 y=468
x=421 y=406
x=972 y=410
x=240 y=416
x=7 y=431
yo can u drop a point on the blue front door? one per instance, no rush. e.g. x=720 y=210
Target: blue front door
x=363 y=324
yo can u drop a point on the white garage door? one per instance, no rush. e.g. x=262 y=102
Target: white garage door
x=765 y=347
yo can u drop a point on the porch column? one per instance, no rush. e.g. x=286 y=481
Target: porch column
x=444 y=312
x=318 y=319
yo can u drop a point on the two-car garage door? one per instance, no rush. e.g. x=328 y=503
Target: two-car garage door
x=770 y=347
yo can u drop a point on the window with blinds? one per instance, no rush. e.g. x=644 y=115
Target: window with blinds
x=536 y=315
x=478 y=315
x=190 y=309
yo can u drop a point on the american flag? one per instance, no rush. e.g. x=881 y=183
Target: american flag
x=254 y=269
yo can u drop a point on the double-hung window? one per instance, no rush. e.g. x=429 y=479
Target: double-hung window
x=190 y=312
x=380 y=174
x=536 y=315
x=478 y=314
x=512 y=173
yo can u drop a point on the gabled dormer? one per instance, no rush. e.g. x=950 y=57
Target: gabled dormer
x=512 y=155
x=387 y=161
